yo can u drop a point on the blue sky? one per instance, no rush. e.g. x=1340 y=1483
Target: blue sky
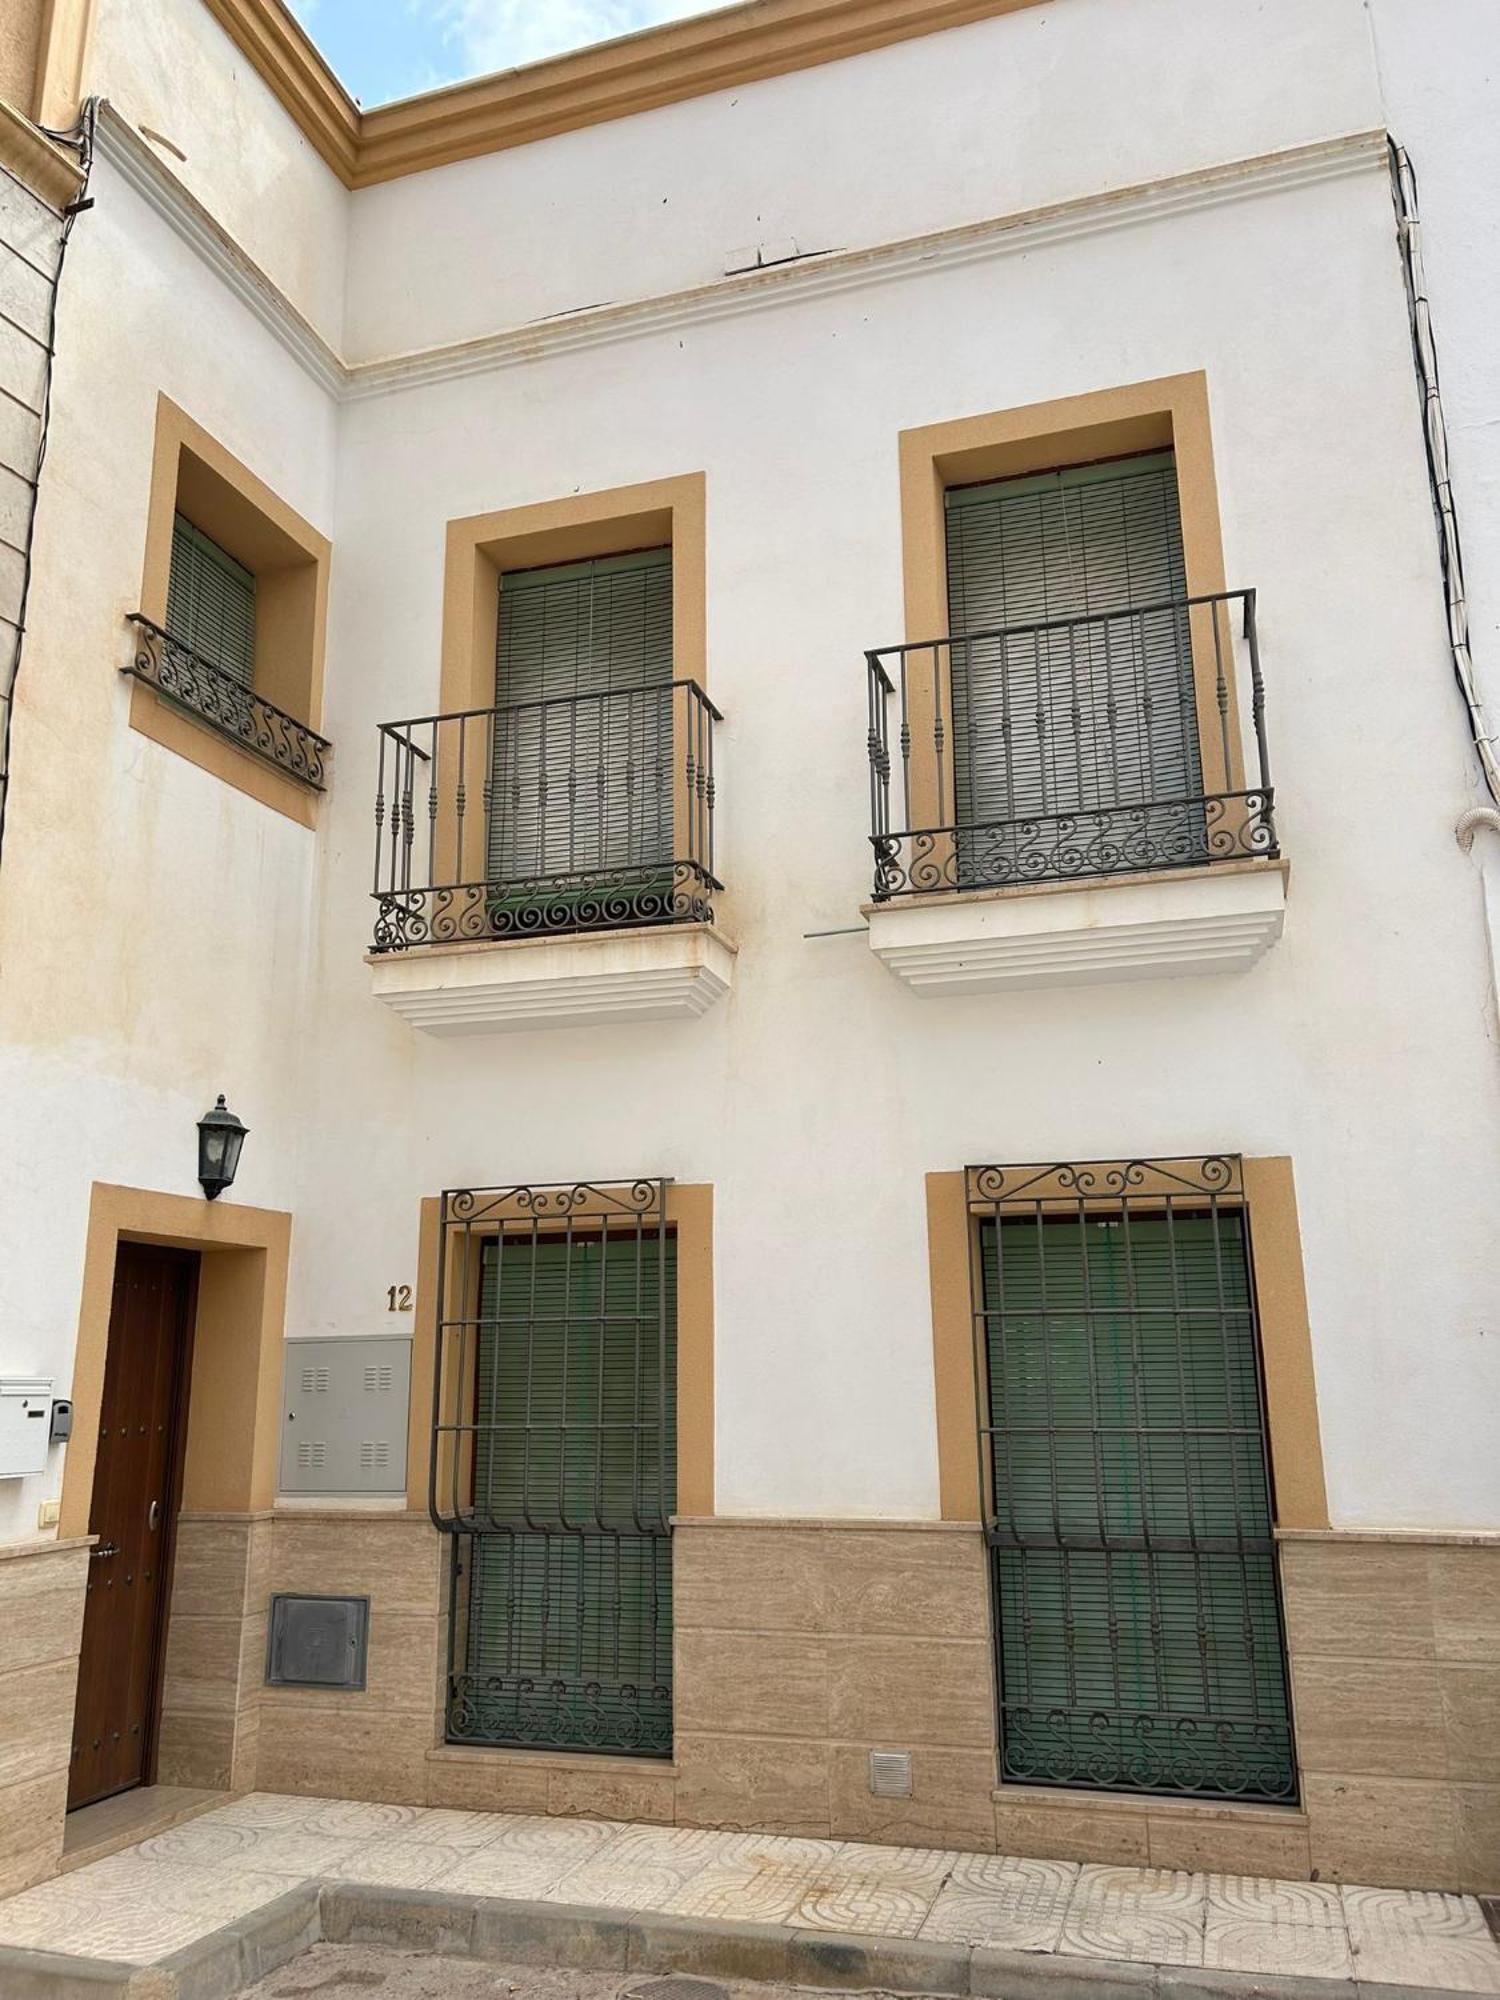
x=380 y=49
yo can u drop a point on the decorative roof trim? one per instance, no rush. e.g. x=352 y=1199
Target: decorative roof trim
x=121 y=147
x=661 y=65
x=809 y=277
x=851 y=270
x=52 y=175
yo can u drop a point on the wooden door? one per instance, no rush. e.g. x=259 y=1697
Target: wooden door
x=133 y=1511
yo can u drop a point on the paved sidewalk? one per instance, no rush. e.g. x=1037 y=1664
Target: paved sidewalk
x=147 y=1902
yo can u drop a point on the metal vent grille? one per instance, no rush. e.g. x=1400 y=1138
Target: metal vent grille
x=314 y=1381
x=374 y=1453
x=890 y=1774
x=317 y=1641
x=311 y=1452
x=378 y=1381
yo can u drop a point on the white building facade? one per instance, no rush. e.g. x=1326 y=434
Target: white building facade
x=903 y=1156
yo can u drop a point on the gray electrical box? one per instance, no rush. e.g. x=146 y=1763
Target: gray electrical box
x=343 y=1428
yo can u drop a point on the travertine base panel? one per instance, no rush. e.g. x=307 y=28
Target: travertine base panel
x=370 y=1744
x=1395 y=1647
x=216 y=1649
x=41 y=1627
x=801 y=1649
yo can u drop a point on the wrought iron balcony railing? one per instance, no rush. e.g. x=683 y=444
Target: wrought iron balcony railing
x=1104 y=744
x=217 y=698
x=582 y=812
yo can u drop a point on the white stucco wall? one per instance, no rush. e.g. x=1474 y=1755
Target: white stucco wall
x=819 y=1095
x=1041 y=106
x=155 y=925
x=167 y=65
x=211 y=945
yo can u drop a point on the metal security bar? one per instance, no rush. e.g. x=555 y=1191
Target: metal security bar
x=579 y=812
x=1125 y=1479
x=1056 y=749
x=554 y=1463
x=223 y=701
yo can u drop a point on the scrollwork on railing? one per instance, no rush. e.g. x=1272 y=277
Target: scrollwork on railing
x=526 y=1712
x=679 y=892
x=225 y=704
x=1110 y=1750
x=1057 y=847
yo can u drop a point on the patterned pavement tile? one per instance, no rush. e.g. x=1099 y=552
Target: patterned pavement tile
x=363 y=1819
x=1155 y=1914
x=640 y=1869
x=130 y=1909
x=1256 y=1900
x=755 y=1878
x=995 y=1899
x=1421 y=1938
x=269 y=1809
x=1230 y=1944
x=886 y=1891
x=529 y=1856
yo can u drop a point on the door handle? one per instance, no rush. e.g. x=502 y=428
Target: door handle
x=103 y=1549
x=153 y=1515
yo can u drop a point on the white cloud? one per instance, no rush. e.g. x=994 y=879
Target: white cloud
x=497 y=34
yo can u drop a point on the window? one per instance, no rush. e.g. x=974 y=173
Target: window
x=1081 y=699
x=557 y=1477
x=1078 y=694
x=211 y=603
x=1126 y=1483
x=228 y=659
x=581 y=765
x=568 y=785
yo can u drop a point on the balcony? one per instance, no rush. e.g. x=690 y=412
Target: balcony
x=224 y=703
x=549 y=862
x=1074 y=800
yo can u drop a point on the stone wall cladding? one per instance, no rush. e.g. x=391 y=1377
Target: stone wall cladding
x=802 y=1647
x=41 y=1626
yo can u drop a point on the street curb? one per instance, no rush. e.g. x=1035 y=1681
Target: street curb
x=499 y=1930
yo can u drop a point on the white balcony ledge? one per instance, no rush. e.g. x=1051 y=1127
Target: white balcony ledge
x=511 y=985
x=1163 y=926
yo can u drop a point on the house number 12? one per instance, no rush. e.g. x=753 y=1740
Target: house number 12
x=398 y=1299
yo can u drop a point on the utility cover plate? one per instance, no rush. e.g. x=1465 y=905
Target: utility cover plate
x=317 y=1641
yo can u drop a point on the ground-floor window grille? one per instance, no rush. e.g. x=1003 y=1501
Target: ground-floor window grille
x=1126 y=1481
x=554 y=1464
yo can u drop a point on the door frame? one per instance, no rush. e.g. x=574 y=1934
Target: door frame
x=177 y=1422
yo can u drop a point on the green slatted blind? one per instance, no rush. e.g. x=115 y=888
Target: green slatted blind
x=211 y=602
x=1078 y=719
x=575 y=1374
x=1140 y=1635
x=583 y=788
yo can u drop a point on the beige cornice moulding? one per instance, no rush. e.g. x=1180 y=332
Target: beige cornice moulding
x=31 y=156
x=662 y=65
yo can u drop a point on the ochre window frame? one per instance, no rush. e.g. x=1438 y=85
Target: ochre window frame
x=690 y=1218
x=1170 y=413
x=657 y=513
x=193 y=474
x=1294 y=1437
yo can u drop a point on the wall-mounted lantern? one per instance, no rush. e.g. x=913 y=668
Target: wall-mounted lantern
x=220 y=1137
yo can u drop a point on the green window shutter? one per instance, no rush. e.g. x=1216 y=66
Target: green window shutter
x=583 y=788
x=568 y=1633
x=1089 y=717
x=1139 y=1625
x=211 y=602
